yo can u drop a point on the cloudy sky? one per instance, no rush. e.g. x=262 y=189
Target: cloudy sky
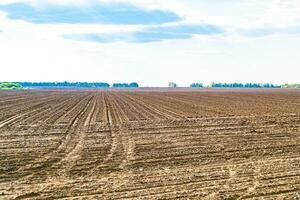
x=152 y=42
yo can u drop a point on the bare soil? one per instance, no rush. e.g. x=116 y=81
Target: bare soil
x=150 y=144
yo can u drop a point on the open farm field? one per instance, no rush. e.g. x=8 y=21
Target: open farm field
x=150 y=144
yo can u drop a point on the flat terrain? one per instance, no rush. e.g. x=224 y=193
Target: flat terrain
x=150 y=144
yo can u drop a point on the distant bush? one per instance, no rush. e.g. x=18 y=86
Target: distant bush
x=125 y=85
x=65 y=84
x=10 y=86
x=196 y=85
x=295 y=85
x=134 y=85
x=120 y=85
x=241 y=85
x=173 y=85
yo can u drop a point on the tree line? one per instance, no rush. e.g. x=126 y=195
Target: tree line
x=241 y=85
x=291 y=85
x=76 y=84
x=126 y=85
x=10 y=86
x=136 y=85
x=237 y=85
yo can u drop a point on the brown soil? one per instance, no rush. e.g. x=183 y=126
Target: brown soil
x=150 y=144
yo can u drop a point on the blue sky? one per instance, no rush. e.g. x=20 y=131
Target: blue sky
x=94 y=13
x=152 y=34
x=150 y=41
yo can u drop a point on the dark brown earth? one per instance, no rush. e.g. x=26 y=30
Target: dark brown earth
x=150 y=144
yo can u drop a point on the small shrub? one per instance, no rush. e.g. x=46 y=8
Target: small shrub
x=10 y=86
x=172 y=85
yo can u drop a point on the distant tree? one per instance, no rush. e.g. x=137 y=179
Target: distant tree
x=134 y=85
x=172 y=85
x=241 y=85
x=295 y=85
x=121 y=85
x=64 y=84
x=10 y=86
x=196 y=85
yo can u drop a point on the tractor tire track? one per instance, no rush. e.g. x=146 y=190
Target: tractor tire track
x=44 y=166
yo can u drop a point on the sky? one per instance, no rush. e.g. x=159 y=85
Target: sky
x=151 y=42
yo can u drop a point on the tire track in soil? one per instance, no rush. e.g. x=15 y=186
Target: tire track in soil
x=122 y=147
x=47 y=161
x=44 y=127
x=120 y=134
x=122 y=144
x=52 y=119
x=111 y=130
x=74 y=155
x=112 y=119
x=54 y=177
x=163 y=188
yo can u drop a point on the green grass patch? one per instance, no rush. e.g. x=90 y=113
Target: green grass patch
x=10 y=86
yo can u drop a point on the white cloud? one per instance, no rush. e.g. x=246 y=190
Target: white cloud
x=37 y=52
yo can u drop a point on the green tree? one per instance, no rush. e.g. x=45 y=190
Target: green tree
x=10 y=86
x=196 y=85
x=172 y=85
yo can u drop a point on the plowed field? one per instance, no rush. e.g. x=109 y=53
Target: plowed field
x=158 y=144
